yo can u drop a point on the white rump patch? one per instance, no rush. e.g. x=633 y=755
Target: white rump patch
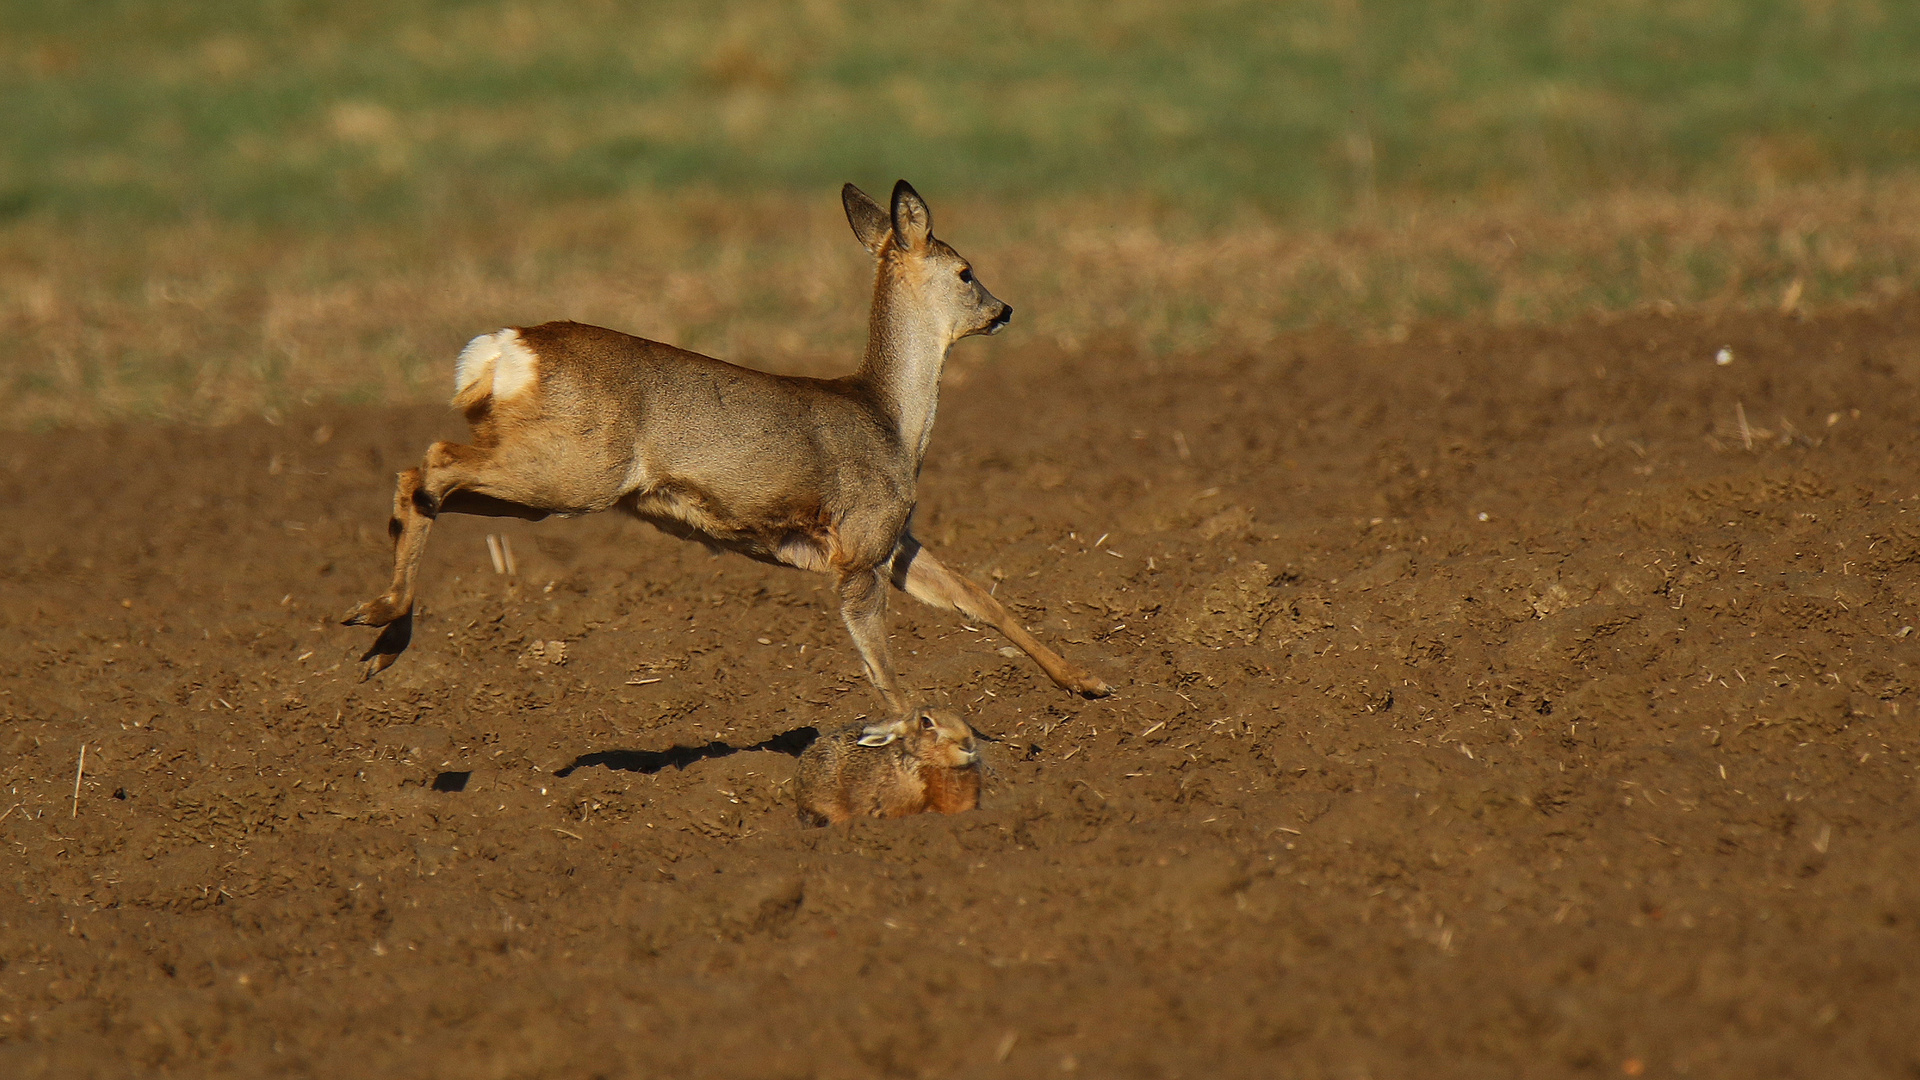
x=503 y=355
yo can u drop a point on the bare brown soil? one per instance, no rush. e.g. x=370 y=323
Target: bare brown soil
x=1519 y=702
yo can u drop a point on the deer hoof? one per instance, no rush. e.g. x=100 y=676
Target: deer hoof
x=380 y=612
x=1088 y=685
x=388 y=646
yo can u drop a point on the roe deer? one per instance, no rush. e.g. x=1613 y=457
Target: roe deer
x=818 y=474
x=924 y=761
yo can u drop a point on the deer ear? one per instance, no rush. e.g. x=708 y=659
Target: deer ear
x=912 y=221
x=870 y=223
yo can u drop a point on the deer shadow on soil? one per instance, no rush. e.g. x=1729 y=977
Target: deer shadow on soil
x=791 y=743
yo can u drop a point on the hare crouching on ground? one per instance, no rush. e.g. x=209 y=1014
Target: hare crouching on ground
x=923 y=761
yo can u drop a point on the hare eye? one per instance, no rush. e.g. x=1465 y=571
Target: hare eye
x=926 y=723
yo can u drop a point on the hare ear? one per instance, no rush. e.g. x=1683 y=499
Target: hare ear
x=879 y=734
x=870 y=223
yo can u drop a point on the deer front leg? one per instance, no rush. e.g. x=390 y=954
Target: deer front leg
x=863 y=606
x=928 y=580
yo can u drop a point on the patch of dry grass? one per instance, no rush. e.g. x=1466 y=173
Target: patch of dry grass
x=208 y=321
x=367 y=185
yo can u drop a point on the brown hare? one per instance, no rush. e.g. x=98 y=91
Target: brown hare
x=923 y=761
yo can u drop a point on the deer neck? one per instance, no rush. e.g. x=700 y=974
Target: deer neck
x=906 y=349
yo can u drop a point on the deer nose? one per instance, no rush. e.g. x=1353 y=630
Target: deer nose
x=1005 y=316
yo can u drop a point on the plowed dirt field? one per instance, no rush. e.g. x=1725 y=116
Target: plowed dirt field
x=1529 y=702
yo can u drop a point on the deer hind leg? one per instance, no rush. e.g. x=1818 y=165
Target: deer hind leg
x=393 y=609
x=419 y=495
x=408 y=528
x=925 y=578
x=863 y=606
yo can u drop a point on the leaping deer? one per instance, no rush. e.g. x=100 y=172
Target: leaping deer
x=819 y=474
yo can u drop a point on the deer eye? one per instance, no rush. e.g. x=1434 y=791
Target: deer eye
x=966 y=274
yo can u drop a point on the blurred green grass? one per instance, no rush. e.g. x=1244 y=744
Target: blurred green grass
x=214 y=208
x=305 y=113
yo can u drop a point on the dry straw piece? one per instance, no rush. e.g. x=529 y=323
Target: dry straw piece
x=79 y=770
